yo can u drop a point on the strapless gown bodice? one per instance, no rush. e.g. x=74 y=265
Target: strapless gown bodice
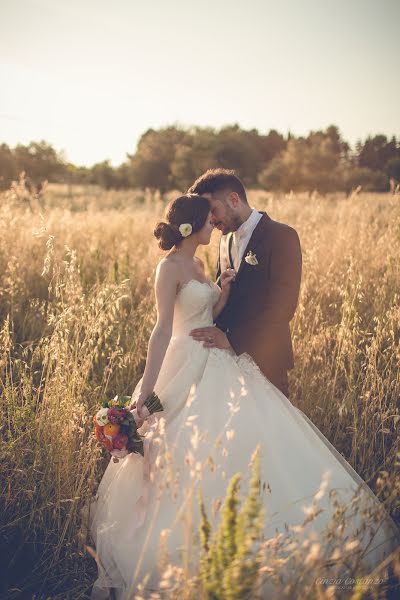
x=193 y=306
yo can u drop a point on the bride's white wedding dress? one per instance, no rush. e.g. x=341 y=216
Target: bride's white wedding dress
x=217 y=408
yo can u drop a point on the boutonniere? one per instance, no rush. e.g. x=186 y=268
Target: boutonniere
x=251 y=258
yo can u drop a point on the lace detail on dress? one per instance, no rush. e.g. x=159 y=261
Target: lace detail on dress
x=248 y=365
x=184 y=285
x=219 y=355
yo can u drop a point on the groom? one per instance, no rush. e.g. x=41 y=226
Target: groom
x=267 y=258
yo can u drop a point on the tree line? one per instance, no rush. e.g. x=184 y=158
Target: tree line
x=172 y=157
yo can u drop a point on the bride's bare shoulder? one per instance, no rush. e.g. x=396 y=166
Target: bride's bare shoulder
x=167 y=267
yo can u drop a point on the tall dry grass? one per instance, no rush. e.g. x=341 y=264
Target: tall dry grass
x=76 y=307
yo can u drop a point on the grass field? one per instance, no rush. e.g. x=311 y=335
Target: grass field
x=76 y=308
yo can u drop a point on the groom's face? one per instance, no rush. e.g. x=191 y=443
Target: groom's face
x=223 y=214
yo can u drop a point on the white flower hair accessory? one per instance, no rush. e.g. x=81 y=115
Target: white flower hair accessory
x=251 y=258
x=185 y=229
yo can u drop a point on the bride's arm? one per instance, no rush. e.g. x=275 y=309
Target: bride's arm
x=219 y=305
x=227 y=277
x=166 y=282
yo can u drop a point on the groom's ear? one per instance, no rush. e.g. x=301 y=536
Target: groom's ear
x=234 y=199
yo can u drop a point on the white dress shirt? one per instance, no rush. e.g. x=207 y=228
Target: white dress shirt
x=242 y=236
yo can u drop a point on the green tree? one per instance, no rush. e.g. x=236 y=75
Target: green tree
x=8 y=167
x=237 y=149
x=376 y=151
x=103 y=174
x=40 y=161
x=193 y=155
x=351 y=177
x=308 y=163
x=151 y=164
x=393 y=168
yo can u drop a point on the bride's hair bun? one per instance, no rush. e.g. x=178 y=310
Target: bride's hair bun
x=166 y=235
x=190 y=208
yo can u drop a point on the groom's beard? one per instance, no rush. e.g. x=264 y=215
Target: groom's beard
x=230 y=223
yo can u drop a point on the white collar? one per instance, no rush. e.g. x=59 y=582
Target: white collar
x=249 y=222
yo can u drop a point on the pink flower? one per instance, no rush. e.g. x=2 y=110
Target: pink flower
x=120 y=440
x=116 y=415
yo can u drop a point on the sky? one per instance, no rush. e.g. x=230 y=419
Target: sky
x=91 y=76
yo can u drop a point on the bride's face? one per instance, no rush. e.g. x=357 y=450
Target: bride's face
x=206 y=231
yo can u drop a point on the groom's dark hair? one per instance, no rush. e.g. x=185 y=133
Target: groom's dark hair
x=219 y=180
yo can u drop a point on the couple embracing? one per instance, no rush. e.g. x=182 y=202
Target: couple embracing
x=218 y=358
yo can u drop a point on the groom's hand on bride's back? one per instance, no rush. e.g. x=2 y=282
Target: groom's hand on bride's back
x=213 y=337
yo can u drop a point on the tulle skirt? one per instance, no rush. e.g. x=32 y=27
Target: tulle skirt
x=218 y=408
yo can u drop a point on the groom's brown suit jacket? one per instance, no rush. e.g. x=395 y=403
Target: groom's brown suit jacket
x=263 y=299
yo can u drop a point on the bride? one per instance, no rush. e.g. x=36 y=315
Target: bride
x=218 y=407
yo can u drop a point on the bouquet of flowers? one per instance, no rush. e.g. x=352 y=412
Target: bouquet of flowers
x=115 y=426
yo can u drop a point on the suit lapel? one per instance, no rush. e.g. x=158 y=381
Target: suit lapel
x=254 y=239
x=225 y=245
x=230 y=249
x=218 y=273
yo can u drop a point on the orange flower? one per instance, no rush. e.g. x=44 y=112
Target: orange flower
x=111 y=429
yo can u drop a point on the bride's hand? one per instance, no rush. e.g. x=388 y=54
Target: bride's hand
x=141 y=409
x=138 y=414
x=227 y=277
x=139 y=421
